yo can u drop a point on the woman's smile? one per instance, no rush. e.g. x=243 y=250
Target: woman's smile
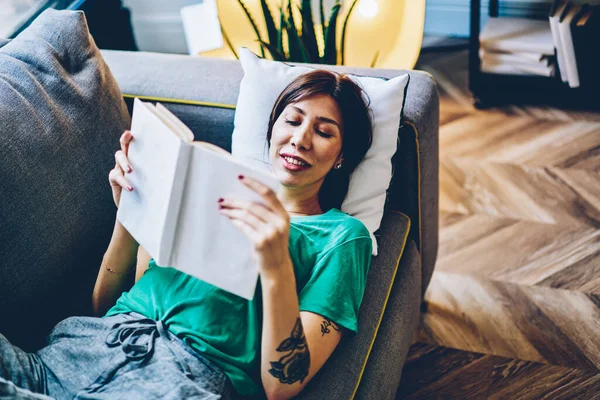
x=293 y=164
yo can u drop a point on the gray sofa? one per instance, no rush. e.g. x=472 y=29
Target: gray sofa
x=202 y=93
x=61 y=115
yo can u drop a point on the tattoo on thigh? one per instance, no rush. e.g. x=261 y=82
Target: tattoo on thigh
x=326 y=324
x=294 y=365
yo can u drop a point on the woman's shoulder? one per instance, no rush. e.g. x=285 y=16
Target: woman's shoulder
x=350 y=224
x=335 y=224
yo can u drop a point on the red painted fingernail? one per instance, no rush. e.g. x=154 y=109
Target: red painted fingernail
x=129 y=188
x=241 y=177
x=220 y=200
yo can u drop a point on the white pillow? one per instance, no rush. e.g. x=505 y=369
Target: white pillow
x=264 y=80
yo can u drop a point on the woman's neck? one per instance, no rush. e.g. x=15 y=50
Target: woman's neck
x=300 y=206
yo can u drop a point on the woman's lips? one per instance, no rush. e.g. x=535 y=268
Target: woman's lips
x=293 y=167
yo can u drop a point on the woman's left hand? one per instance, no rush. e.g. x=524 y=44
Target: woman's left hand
x=266 y=225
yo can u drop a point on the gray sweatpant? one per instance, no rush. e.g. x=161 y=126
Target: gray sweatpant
x=126 y=356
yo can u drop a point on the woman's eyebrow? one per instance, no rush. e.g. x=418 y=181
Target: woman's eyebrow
x=322 y=119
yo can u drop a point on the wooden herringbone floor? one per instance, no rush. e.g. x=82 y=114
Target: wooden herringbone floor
x=514 y=303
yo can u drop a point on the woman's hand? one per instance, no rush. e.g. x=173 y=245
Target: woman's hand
x=116 y=176
x=267 y=226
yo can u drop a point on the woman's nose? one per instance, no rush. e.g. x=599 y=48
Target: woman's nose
x=302 y=137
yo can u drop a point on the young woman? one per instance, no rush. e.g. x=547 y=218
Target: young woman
x=173 y=336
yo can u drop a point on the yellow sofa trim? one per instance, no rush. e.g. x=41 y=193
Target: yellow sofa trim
x=181 y=101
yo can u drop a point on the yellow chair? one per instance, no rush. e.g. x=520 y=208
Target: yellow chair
x=392 y=37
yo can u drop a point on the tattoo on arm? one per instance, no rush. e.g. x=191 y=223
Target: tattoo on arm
x=294 y=365
x=326 y=324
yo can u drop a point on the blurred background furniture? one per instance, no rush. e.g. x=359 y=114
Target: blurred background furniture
x=493 y=89
x=16 y=15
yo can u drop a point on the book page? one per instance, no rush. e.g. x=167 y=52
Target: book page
x=153 y=155
x=207 y=244
x=174 y=123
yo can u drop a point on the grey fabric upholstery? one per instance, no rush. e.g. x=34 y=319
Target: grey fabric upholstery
x=348 y=361
x=61 y=114
x=215 y=80
x=383 y=371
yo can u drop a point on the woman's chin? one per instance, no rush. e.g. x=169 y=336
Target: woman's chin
x=286 y=179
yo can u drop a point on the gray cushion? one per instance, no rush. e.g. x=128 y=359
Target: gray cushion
x=348 y=361
x=61 y=114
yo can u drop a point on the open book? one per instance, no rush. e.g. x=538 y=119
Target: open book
x=173 y=210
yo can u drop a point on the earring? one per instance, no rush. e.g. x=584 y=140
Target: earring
x=338 y=166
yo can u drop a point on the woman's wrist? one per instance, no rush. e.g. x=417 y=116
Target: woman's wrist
x=276 y=275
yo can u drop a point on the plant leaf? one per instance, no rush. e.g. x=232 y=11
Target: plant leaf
x=343 y=44
x=374 y=60
x=297 y=51
x=330 y=53
x=247 y=12
x=269 y=22
x=282 y=23
x=323 y=27
x=275 y=53
x=309 y=37
x=322 y=12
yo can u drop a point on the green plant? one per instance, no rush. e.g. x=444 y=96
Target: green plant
x=286 y=42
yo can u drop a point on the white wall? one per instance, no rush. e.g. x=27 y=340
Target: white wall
x=157 y=24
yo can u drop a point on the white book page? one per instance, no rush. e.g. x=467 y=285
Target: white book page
x=153 y=155
x=207 y=244
x=174 y=123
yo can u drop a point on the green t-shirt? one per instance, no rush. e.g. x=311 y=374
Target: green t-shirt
x=331 y=254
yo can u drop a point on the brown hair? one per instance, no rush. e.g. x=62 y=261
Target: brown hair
x=357 y=134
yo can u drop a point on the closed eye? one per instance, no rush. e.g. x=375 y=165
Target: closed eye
x=325 y=135
x=292 y=123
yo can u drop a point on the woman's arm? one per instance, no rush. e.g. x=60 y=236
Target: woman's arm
x=294 y=344
x=292 y=350
x=114 y=276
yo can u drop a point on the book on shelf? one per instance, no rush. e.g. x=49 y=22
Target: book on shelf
x=512 y=68
x=173 y=210
x=514 y=35
x=556 y=10
x=576 y=34
x=585 y=32
x=517 y=46
x=566 y=42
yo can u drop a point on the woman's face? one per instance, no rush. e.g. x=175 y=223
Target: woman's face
x=306 y=141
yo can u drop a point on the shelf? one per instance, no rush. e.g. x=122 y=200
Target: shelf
x=496 y=89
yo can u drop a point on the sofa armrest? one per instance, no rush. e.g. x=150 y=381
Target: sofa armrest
x=341 y=376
